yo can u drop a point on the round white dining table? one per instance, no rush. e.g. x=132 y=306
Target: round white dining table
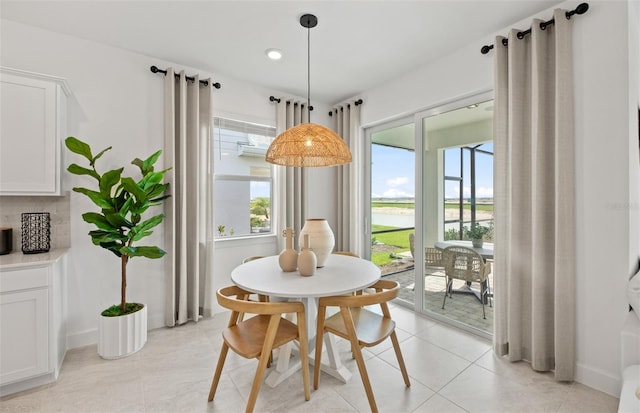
x=341 y=274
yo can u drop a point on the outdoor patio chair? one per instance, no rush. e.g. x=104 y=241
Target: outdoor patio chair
x=259 y=335
x=363 y=328
x=465 y=264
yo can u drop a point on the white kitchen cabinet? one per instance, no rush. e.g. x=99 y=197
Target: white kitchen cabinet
x=33 y=112
x=32 y=320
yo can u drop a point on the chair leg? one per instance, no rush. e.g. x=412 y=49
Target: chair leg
x=403 y=368
x=446 y=290
x=257 y=382
x=216 y=375
x=262 y=363
x=362 y=368
x=304 y=354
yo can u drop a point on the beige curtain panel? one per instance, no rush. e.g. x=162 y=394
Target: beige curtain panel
x=189 y=210
x=346 y=123
x=534 y=199
x=290 y=205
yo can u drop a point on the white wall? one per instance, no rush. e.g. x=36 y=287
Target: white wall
x=607 y=231
x=634 y=129
x=117 y=101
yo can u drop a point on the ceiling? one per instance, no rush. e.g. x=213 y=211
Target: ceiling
x=356 y=45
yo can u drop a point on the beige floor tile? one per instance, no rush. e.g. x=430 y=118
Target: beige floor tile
x=427 y=363
x=583 y=399
x=480 y=390
x=438 y=404
x=409 y=321
x=463 y=344
x=389 y=389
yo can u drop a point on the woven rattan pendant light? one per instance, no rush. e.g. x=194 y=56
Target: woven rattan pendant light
x=308 y=144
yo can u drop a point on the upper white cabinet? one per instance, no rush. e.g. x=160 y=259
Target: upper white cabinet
x=32 y=127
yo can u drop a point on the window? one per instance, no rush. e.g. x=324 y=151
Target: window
x=242 y=178
x=468 y=189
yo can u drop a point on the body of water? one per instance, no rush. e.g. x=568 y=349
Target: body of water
x=393 y=220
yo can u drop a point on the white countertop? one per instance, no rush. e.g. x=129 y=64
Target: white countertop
x=17 y=259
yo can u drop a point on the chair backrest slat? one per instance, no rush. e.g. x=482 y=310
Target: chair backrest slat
x=235 y=298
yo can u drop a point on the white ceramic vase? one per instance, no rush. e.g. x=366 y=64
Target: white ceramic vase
x=288 y=258
x=306 y=259
x=321 y=237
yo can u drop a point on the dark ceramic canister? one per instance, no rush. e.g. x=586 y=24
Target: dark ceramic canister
x=6 y=240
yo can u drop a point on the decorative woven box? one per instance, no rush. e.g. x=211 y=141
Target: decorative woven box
x=36 y=232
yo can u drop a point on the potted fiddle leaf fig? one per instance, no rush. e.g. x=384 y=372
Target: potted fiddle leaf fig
x=120 y=224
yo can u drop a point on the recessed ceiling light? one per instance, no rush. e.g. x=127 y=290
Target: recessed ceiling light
x=475 y=105
x=274 y=54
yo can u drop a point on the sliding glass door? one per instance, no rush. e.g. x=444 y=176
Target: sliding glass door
x=446 y=155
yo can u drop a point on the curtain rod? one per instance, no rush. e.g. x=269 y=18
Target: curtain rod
x=155 y=69
x=581 y=9
x=357 y=102
x=275 y=99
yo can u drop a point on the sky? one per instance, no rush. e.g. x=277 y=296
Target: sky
x=393 y=175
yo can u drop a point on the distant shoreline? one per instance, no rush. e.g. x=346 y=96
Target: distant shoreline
x=449 y=212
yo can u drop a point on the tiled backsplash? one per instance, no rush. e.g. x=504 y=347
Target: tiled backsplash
x=12 y=207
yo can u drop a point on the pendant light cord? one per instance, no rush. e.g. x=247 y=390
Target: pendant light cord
x=309 y=74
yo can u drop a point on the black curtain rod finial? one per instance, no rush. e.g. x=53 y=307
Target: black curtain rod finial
x=274 y=99
x=581 y=9
x=486 y=48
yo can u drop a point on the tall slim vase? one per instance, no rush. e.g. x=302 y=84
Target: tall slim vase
x=288 y=258
x=321 y=237
x=307 y=260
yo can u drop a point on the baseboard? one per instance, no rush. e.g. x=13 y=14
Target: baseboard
x=82 y=339
x=599 y=380
x=155 y=321
x=7 y=389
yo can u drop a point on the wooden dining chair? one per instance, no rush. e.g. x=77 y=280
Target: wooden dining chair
x=362 y=327
x=465 y=264
x=257 y=336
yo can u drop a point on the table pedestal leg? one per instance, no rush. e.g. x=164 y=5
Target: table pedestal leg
x=286 y=366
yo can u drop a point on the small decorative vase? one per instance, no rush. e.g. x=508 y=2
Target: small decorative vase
x=307 y=259
x=288 y=258
x=477 y=242
x=321 y=236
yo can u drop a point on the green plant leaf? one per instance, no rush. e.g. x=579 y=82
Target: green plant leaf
x=117 y=220
x=109 y=179
x=142 y=229
x=77 y=146
x=131 y=186
x=79 y=170
x=143 y=251
x=96 y=197
x=147 y=165
x=99 y=155
x=98 y=220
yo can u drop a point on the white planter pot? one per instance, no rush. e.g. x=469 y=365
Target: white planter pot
x=320 y=237
x=122 y=336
